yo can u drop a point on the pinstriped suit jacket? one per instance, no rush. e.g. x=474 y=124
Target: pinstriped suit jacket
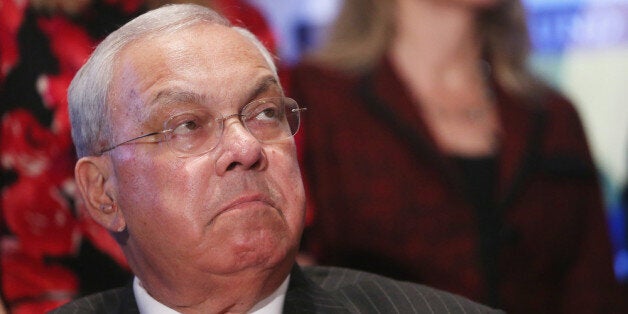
x=319 y=290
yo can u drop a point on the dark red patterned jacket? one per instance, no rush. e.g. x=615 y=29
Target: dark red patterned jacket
x=386 y=200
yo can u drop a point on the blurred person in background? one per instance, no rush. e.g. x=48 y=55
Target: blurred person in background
x=50 y=250
x=433 y=154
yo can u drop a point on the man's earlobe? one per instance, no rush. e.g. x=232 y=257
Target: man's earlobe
x=93 y=178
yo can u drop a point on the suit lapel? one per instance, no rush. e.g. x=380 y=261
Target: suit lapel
x=127 y=302
x=304 y=296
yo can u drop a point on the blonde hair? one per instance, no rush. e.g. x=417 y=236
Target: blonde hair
x=359 y=36
x=364 y=29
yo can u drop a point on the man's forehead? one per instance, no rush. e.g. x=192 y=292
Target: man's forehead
x=160 y=64
x=202 y=45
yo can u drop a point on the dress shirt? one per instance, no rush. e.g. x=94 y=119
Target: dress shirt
x=272 y=304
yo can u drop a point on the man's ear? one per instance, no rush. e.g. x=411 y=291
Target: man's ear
x=95 y=182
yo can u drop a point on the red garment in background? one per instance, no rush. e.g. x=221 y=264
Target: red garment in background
x=43 y=221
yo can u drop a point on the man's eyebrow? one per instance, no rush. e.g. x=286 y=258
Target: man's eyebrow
x=167 y=97
x=162 y=104
x=262 y=86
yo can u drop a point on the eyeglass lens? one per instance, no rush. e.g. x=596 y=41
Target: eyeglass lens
x=197 y=132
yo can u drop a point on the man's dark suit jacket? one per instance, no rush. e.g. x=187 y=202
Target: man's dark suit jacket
x=319 y=290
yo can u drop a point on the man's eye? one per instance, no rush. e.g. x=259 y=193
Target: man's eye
x=186 y=127
x=269 y=112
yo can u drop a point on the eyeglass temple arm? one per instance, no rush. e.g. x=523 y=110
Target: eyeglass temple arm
x=131 y=140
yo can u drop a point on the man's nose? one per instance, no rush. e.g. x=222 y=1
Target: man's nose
x=238 y=148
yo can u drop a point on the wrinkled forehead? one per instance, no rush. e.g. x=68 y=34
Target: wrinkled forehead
x=208 y=59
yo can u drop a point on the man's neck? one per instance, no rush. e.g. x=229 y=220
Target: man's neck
x=269 y=305
x=232 y=293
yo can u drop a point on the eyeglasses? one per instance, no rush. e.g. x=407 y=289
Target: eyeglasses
x=197 y=132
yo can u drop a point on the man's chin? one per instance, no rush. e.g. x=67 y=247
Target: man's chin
x=258 y=251
x=243 y=238
x=250 y=229
x=253 y=256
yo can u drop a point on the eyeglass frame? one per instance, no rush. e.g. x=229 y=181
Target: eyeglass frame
x=240 y=115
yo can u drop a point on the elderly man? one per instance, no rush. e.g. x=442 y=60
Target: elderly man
x=187 y=157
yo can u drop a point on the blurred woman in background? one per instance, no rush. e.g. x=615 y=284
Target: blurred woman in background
x=433 y=154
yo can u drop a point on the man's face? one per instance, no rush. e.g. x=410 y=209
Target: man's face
x=237 y=207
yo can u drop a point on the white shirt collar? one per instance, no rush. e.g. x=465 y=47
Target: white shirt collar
x=273 y=304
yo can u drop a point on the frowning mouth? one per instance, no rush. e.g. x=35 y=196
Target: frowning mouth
x=245 y=206
x=247 y=201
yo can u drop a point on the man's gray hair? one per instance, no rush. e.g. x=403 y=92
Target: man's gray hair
x=88 y=92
